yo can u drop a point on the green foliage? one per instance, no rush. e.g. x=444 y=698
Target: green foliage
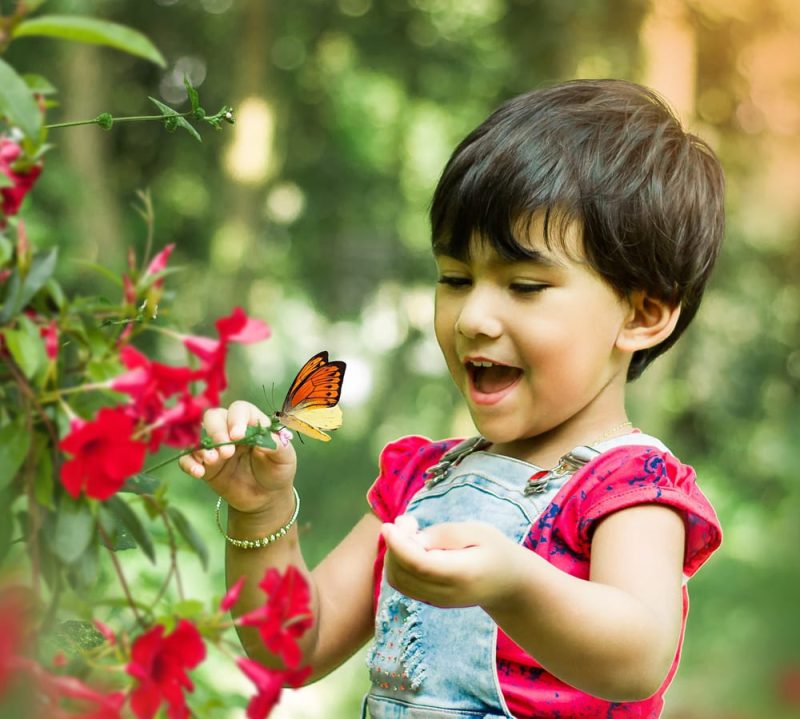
x=330 y=243
x=17 y=103
x=90 y=30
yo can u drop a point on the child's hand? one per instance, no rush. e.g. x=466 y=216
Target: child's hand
x=454 y=564
x=245 y=476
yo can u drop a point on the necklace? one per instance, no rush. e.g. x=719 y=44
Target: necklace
x=610 y=432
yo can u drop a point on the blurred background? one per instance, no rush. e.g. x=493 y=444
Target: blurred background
x=310 y=213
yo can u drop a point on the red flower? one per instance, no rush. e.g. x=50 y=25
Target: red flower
x=159 y=264
x=788 y=685
x=179 y=426
x=128 y=290
x=22 y=179
x=50 y=335
x=105 y=454
x=285 y=615
x=150 y=384
x=106 y=631
x=237 y=327
x=269 y=683
x=160 y=664
x=53 y=688
x=12 y=633
x=232 y=595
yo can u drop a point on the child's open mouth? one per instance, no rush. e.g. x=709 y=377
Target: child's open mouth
x=489 y=378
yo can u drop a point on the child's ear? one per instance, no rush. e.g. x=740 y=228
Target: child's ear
x=650 y=321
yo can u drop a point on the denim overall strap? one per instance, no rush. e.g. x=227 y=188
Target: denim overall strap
x=433 y=662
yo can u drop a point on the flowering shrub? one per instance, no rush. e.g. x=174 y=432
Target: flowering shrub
x=81 y=409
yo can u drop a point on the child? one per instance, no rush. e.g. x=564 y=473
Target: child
x=538 y=570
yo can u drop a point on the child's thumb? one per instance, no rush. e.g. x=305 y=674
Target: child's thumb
x=283 y=453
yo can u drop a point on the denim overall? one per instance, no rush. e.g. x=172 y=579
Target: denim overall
x=429 y=662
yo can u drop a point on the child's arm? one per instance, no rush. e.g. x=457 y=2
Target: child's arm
x=257 y=485
x=614 y=636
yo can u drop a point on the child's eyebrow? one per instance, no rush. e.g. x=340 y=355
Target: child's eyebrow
x=531 y=257
x=535 y=257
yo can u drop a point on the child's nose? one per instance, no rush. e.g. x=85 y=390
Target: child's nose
x=478 y=317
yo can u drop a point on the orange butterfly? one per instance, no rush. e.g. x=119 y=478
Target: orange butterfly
x=311 y=402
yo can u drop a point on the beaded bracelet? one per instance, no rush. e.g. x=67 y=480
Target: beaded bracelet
x=263 y=541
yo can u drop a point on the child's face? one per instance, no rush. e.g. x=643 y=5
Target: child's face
x=549 y=329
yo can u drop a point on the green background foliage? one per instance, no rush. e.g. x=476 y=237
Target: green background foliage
x=311 y=214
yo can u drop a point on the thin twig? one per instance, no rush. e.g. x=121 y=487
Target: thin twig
x=120 y=575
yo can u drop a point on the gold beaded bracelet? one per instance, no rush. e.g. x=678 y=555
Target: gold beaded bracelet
x=263 y=541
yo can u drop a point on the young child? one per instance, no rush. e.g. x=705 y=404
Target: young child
x=538 y=570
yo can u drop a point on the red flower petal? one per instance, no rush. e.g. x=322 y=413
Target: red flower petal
x=238 y=327
x=159 y=262
x=232 y=595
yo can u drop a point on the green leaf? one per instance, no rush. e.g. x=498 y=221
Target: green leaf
x=179 y=121
x=92 y=31
x=39 y=84
x=188 y=609
x=43 y=479
x=119 y=538
x=5 y=180
x=24 y=350
x=41 y=269
x=100 y=269
x=17 y=102
x=131 y=522
x=73 y=531
x=82 y=575
x=6 y=524
x=14 y=443
x=56 y=293
x=78 y=636
x=141 y=484
x=194 y=98
x=190 y=534
x=6 y=248
x=260 y=437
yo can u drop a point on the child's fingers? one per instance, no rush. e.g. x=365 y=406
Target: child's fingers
x=453 y=535
x=407 y=523
x=407 y=551
x=192 y=464
x=216 y=427
x=241 y=414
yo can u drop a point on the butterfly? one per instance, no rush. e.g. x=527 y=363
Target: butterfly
x=311 y=402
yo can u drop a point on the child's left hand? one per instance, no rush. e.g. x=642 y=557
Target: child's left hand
x=454 y=564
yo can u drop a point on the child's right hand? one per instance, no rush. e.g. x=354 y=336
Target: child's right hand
x=248 y=478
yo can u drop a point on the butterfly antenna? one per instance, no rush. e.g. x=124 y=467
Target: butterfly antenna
x=267 y=402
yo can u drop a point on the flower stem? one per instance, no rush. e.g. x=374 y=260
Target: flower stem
x=128 y=118
x=244 y=440
x=118 y=569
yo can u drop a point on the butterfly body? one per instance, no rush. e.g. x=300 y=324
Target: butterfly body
x=311 y=402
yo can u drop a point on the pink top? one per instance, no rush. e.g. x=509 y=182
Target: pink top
x=619 y=478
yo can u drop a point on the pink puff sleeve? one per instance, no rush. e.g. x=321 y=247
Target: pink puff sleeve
x=631 y=475
x=402 y=465
x=402 y=473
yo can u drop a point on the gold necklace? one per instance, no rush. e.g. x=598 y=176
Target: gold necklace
x=611 y=431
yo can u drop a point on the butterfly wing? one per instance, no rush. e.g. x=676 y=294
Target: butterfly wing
x=310 y=404
x=322 y=418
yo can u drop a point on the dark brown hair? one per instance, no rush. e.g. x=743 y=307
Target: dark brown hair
x=609 y=154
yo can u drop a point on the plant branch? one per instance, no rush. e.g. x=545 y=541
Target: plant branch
x=121 y=576
x=128 y=118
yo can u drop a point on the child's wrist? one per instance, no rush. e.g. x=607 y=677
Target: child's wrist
x=275 y=512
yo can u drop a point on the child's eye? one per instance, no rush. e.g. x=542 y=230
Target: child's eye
x=528 y=288
x=451 y=281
